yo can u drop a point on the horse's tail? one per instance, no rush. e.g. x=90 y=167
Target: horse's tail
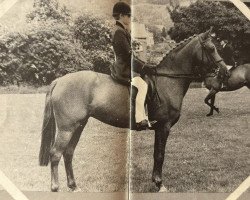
x=48 y=129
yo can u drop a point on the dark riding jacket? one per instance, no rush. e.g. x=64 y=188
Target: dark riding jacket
x=228 y=55
x=121 y=41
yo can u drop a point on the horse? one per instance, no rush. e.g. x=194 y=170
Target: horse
x=75 y=97
x=239 y=77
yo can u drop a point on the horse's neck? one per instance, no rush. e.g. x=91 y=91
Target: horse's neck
x=177 y=63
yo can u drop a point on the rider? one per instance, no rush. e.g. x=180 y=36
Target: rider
x=121 y=70
x=228 y=54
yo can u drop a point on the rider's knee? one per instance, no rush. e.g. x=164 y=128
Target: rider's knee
x=139 y=83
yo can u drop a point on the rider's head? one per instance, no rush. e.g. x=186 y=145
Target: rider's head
x=122 y=12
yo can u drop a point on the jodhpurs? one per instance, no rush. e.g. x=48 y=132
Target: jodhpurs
x=142 y=86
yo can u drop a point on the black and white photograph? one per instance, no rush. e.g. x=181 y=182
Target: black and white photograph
x=124 y=99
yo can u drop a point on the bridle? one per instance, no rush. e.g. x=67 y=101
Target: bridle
x=211 y=60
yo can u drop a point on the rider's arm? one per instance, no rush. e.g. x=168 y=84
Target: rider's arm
x=121 y=41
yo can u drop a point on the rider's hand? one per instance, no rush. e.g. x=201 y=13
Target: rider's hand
x=148 y=68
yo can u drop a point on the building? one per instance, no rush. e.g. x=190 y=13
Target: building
x=143 y=36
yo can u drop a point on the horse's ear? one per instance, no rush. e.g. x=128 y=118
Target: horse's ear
x=207 y=34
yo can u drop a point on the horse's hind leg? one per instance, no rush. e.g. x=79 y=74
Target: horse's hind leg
x=212 y=107
x=68 y=156
x=62 y=140
x=209 y=104
x=211 y=97
x=212 y=102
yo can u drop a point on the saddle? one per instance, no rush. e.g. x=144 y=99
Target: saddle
x=152 y=98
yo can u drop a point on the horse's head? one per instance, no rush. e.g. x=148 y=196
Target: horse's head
x=206 y=55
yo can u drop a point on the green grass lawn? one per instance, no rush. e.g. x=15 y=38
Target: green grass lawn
x=202 y=155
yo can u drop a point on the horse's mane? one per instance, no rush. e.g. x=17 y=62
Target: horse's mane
x=177 y=47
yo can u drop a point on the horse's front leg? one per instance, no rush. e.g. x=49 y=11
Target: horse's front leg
x=161 y=135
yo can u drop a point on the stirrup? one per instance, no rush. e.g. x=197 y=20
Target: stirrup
x=151 y=123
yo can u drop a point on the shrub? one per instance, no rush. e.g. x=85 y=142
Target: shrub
x=48 y=10
x=53 y=45
x=40 y=54
x=228 y=22
x=95 y=37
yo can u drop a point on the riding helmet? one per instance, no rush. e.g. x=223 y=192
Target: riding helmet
x=121 y=8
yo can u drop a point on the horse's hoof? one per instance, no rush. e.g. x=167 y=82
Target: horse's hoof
x=217 y=110
x=54 y=189
x=76 y=189
x=163 y=189
x=209 y=114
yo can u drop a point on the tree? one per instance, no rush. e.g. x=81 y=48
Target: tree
x=174 y=3
x=48 y=10
x=40 y=53
x=228 y=22
x=95 y=37
x=54 y=44
x=156 y=33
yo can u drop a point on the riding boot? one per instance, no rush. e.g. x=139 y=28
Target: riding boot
x=143 y=125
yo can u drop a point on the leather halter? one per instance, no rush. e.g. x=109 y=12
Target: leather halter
x=210 y=59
